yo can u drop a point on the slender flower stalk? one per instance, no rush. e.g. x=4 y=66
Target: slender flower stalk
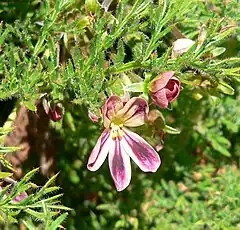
x=121 y=144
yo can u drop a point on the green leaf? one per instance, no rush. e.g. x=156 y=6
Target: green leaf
x=8 y=149
x=91 y=6
x=4 y=192
x=56 y=223
x=5 y=174
x=105 y=207
x=4 y=35
x=218 y=51
x=58 y=207
x=2 y=220
x=215 y=100
x=52 y=198
x=171 y=130
x=42 y=190
x=29 y=224
x=225 y=88
x=135 y=87
x=38 y=215
x=30 y=105
x=120 y=53
x=220 y=144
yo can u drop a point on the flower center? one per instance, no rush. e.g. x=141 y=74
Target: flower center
x=116 y=120
x=116 y=131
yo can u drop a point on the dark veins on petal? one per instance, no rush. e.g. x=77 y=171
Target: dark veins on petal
x=104 y=138
x=118 y=168
x=144 y=153
x=140 y=108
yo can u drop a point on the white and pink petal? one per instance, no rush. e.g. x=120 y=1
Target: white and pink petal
x=119 y=164
x=100 y=151
x=134 y=112
x=140 y=151
x=110 y=109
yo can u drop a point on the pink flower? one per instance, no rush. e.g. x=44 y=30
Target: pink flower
x=164 y=89
x=120 y=144
x=55 y=113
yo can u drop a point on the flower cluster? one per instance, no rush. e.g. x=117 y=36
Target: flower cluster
x=119 y=143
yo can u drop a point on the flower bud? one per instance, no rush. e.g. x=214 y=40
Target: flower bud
x=16 y=199
x=181 y=46
x=164 y=89
x=91 y=5
x=93 y=117
x=55 y=113
x=20 y=197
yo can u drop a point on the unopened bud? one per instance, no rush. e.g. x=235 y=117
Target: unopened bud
x=181 y=46
x=164 y=89
x=55 y=113
x=93 y=117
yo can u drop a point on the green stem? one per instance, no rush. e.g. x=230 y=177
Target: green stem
x=127 y=67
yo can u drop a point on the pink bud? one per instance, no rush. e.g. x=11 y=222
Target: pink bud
x=55 y=113
x=20 y=197
x=164 y=89
x=16 y=199
x=93 y=117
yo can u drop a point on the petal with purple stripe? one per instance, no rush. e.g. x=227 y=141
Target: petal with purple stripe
x=100 y=151
x=134 y=112
x=141 y=152
x=120 y=165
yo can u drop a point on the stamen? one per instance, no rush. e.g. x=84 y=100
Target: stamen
x=116 y=131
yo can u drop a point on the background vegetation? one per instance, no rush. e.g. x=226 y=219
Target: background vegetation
x=77 y=53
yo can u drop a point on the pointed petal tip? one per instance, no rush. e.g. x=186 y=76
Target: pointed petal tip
x=156 y=167
x=153 y=169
